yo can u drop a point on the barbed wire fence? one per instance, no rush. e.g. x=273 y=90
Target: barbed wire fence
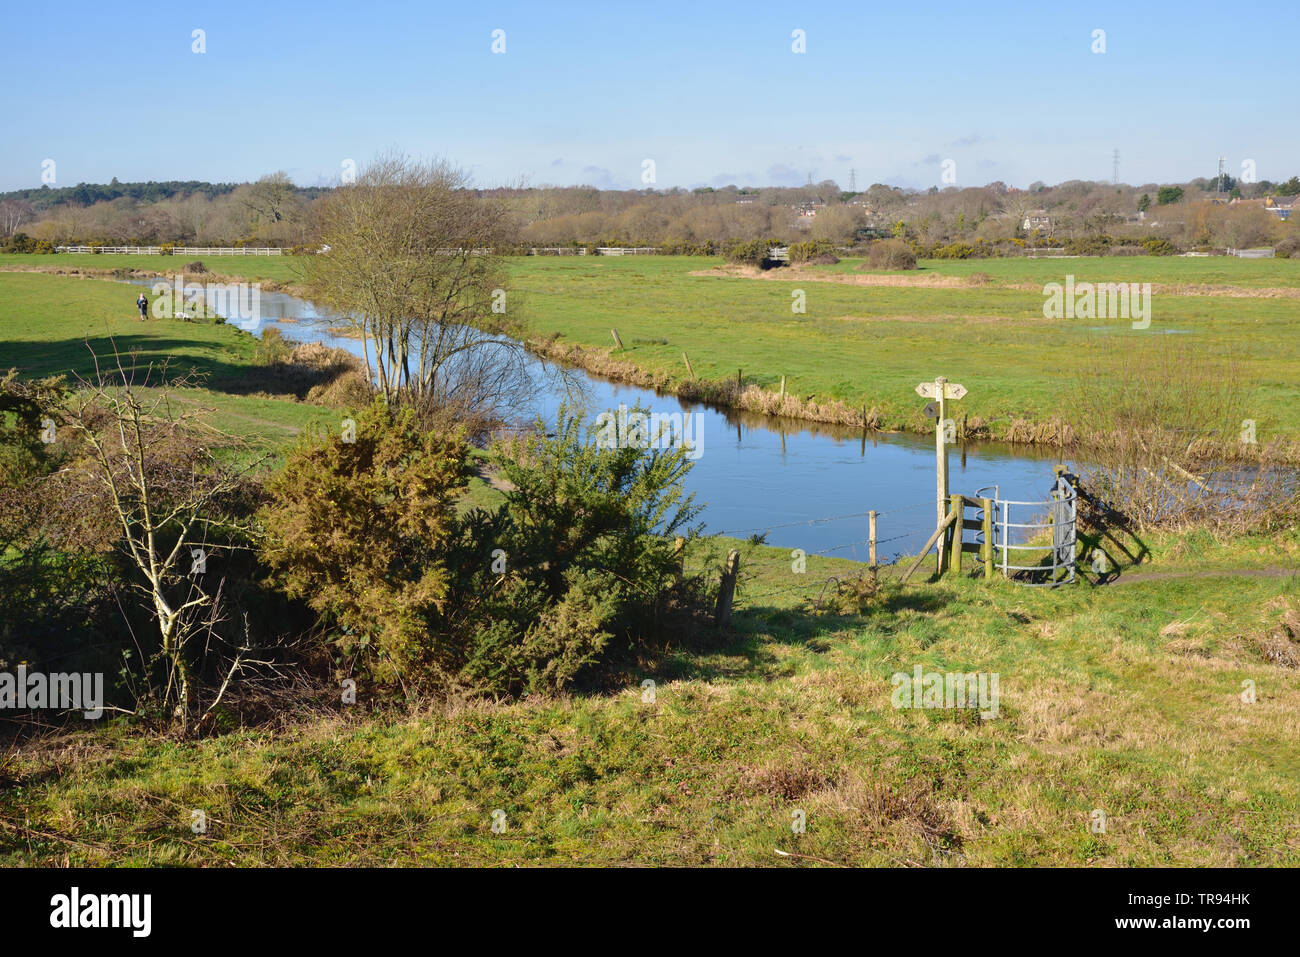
x=806 y=584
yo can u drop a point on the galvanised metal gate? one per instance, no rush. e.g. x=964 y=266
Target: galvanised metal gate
x=1057 y=515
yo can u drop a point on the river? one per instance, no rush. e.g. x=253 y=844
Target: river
x=804 y=485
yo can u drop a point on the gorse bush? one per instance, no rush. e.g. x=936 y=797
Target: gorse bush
x=1088 y=246
x=1159 y=247
x=577 y=563
x=752 y=253
x=22 y=243
x=953 y=251
x=818 y=250
x=358 y=527
x=890 y=254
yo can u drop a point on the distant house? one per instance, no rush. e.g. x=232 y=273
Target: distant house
x=1039 y=220
x=1280 y=206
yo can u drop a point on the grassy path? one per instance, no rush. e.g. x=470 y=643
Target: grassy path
x=1274 y=572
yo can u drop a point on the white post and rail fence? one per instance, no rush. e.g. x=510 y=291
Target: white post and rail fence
x=174 y=251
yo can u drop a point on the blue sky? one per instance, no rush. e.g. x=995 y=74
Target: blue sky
x=710 y=91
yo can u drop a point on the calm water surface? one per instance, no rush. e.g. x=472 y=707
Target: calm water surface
x=804 y=485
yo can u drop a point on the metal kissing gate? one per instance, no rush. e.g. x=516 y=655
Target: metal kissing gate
x=996 y=517
x=1057 y=515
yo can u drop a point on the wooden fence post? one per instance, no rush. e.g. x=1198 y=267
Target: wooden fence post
x=987 y=505
x=956 y=505
x=871 y=535
x=727 y=589
x=679 y=547
x=943 y=526
x=783 y=388
x=689 y=371
x=618 y=343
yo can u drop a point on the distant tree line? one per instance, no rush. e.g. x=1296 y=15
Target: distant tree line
x=1210 y=211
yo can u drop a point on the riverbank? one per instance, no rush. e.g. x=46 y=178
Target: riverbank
x=853 y=354
x=689 y=327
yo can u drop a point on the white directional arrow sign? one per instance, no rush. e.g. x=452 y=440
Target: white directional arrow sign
x=941 y=390
x=951 y=390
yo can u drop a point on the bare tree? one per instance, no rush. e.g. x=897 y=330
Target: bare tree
x=413 y=264
x=150 y=466
x=13 y=213
x=273 y=198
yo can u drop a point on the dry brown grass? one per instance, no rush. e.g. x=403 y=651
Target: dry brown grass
x=1278 y=642
x=1170 y=420
x=798 y=274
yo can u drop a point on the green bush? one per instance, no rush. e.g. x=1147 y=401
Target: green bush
x=20 y=243
x=752 y=253
x=953 y=251
x=813 y=249
x=1159 y=247
x=590 y=567
x=892 y=254
x=576 y=565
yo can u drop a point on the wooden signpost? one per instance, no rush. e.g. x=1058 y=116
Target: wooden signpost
x=941 y=390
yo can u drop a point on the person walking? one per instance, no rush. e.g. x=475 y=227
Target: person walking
x=143 y=305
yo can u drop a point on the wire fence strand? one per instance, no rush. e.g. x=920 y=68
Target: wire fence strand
x=734 y=532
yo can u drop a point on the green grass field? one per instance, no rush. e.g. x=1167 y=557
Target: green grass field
x=872 y=344
x=52 y=325
x=1212 y=270
x=1207 y=271
x=1125 y=699
x=280 y=268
